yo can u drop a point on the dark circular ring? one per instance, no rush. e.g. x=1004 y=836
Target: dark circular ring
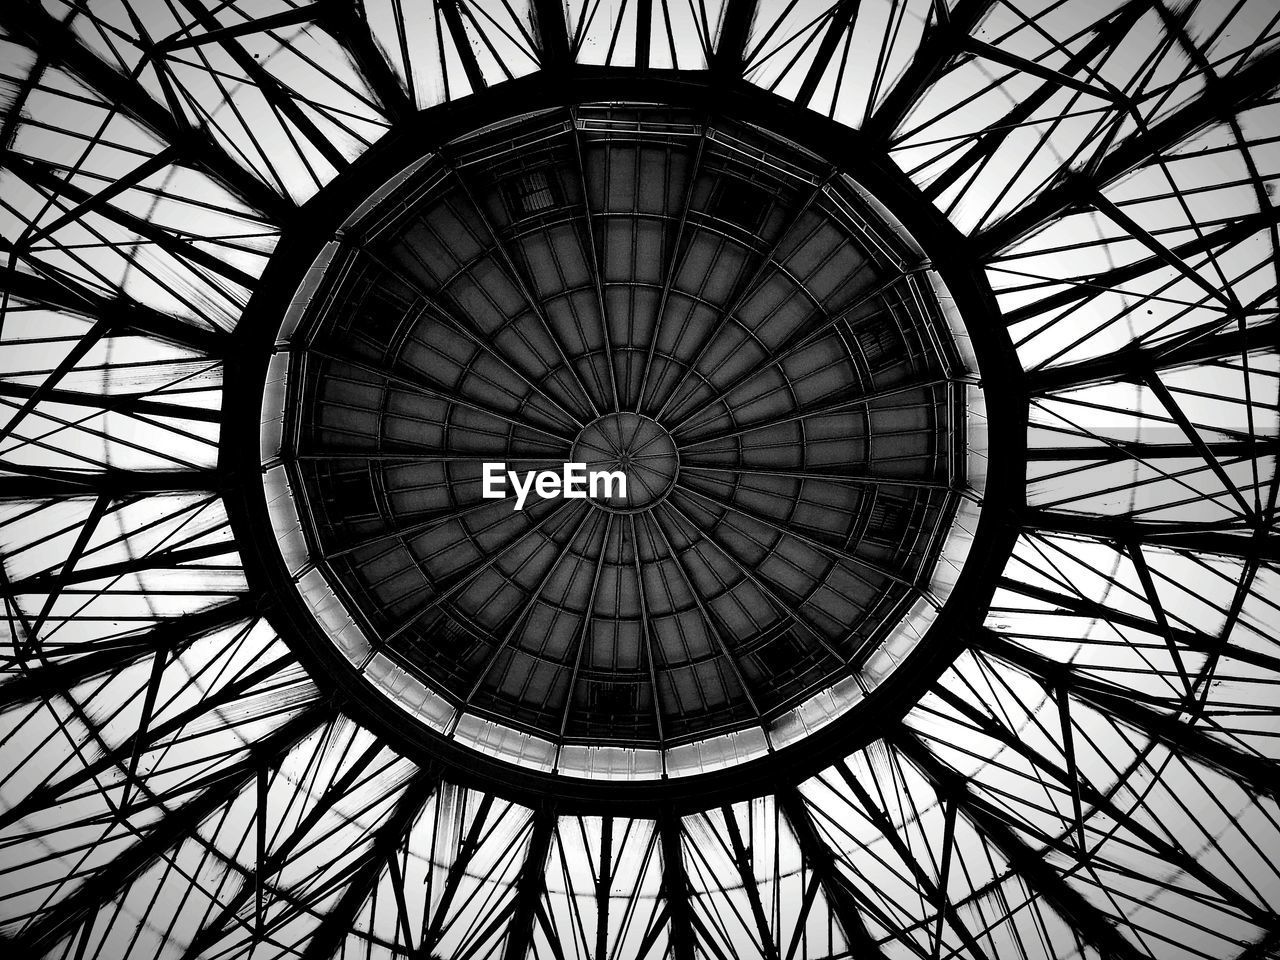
x=881 y=713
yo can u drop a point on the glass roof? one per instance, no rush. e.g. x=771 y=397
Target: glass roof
x=1093 y=773
x=776 y=354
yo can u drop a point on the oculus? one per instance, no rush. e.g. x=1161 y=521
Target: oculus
x=737 y=325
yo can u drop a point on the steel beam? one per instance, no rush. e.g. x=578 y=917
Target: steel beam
x=1107 y=37
x=271 y=88
x=1137 y=450
x=675 y=890
x=934 y=891
x=1084 y=792
x=122 y=314
x=1130 y=363
x=270 y=862
x=48 y=793
x=28 y=22
x=160 y=559
x=1234 y=92
x=457 y=870
x=530 y=886
x=1259 y=773
x=104 y=885
x=27 y=482
x=552 y=32
x=347 y=24
x=131 y=403
x=941 y=42
x=44 y=178
x=729 y=57
x=1190 y=537
x=743 y=860
x=821 y=860
x=1094 y=927
x=327 y=939
x=115 y=654
x=1266 y=947
x=842 y=19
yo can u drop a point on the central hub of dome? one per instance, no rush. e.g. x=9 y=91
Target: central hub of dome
x=636 y=446
x=729 y=321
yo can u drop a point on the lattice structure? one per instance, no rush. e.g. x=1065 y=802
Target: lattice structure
x=1089 y=770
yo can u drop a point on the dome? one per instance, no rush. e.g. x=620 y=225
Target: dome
x=743 y=479
x=753 y=344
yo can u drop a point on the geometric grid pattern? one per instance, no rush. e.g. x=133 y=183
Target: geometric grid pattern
x=623 y=276
x=1094 y=776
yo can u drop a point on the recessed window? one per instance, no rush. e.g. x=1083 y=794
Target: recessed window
x=612 y=698
x=779 y=656
x=737 y=201
x=889 y=517
x=531 y=193
x=351 y=495
x=378 y=316
x=880 y=341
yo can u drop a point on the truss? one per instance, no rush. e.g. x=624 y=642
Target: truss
x=1093 y=774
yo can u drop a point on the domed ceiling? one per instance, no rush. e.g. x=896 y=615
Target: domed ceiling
x=781 y=388
x=936 y=343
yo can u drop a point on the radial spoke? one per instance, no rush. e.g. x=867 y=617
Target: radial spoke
x=775 y=599
x=785 y=530
x=1187 y=738
x=535 y=596
x=745 y=286
x=522 y=284
x=389 y=835
x=468 y=576
x=842 y=899
x=98 y=890
x=593 y=260
x=530 y=887
x=1242 y=89
x=473 y=335
x=821 y=410
x=672 y=267
x=1035 y=868
x=804 y=336
x=646 y=627
x=422 y=385
x=25 y=18
x=582 y=642
x=710 y=623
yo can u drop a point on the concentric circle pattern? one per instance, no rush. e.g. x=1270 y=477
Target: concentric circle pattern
x=950 y=327
x=639 y=448
x=724 y=323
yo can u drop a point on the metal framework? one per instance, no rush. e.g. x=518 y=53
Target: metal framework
x=794 y=475
x=1088 y=767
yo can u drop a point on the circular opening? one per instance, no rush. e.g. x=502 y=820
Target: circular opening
x=630 y=461
x=621 y=446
